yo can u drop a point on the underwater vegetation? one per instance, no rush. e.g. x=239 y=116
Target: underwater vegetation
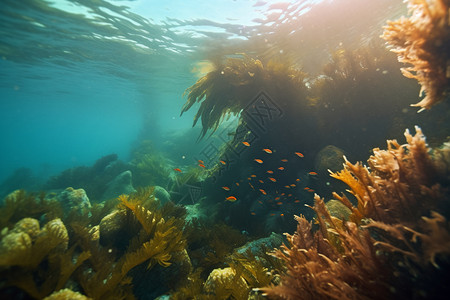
x=422 y=41
x=395 y=242
x=232 y=86
x=97 y=260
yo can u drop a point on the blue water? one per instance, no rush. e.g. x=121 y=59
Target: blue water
x=79 y=79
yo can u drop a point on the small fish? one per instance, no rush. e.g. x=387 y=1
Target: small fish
x=297 y=180
x=201 y=162
x=237 y=183
x=247 y=144
x=292 y=185
x=312 y=173
x=261 y=181
x=290 y=195
x=281 y=168
x=226 y=188
x=259 y=161
x=231 y=198
x=270 y=172
x=178 y=170
x=297 y=201
x=272 y=179
x=279 y=203
x=283 y=194
x=252 y=213
x=299 y=154
x=251 y=186
x=263 y=191
x=306 y=188
x=272 y=214
x=286 y=186
x=311 y=191
x=284 y=160
x=281 y=215
x=253 y=176
x=267 y=151
x=222 y=162
x=277 y=198
x=202 y=165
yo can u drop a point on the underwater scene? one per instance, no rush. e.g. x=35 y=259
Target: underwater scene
x=228 y=149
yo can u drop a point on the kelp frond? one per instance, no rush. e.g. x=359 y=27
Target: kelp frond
x=423 y=42
x=232 y=86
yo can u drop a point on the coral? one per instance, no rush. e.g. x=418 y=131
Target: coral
x=423 y=42
x=395 y=244
x=232 y=86
x=20 y=204
x=224 y=283
x=38 y=261
x=66 y=294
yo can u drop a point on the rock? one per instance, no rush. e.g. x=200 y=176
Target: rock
x=329 y=158
x=111 y=226
x=161 y=194
x=338 y=209
x=75 y=200
x=259 y=246
x=122 y=184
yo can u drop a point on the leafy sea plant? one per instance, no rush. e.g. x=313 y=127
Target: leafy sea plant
x=396 y=242
x=422 y=41
x=233 y=85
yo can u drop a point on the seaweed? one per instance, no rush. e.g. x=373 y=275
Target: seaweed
x=422 y=41
x=234 y=83
x=395 y=244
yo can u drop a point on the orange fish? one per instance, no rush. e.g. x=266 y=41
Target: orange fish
x=281 y=168
x=251 y=186
x=231 y=198
x=297 y=201
x=237 y=183
x=263 y=191
x=247 y=144
x=272 y=179
x=270 y=172
x=252 y=213
x=277 y=198
x=259 y=161
x=311 y=191
x=267 y=151
x=201 y=162
x=202 y=165
x=226 y=188
x=312 y=173
x=284 y=160
x=306 y=188
x=283 y=194
x=281 y=215
x=261 y=181
x=222 y=162
x=297 y=180
x=299 y=154
x=279 y=203
x=272 y=214
x=177 y=169
x=253 y=176
x=290 y=195
x=292 y=185
x=286 y=186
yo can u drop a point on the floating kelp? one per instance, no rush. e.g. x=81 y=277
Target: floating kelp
x=396 y=242
x=233 y=85
x=423 y=41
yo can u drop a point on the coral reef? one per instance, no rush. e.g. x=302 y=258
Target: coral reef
x=395 y=244
x=422 y=41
